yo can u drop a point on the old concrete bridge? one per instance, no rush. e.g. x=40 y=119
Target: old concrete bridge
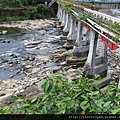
x=83 y=27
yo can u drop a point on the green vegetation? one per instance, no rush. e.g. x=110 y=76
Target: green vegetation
x=83 y=16
x=34 y=12
x=67 y=7
x=63 y=96
x=13 y=3
x=22 y=10
x=109 y=25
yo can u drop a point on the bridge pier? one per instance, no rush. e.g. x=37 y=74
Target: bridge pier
x=96 y=64
x=71 y=35
x=58 y=12
x=60 y=17
x=67 y=25
x=63 y=20
x=81 y=48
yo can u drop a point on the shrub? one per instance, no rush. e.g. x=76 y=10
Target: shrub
x=63 y=96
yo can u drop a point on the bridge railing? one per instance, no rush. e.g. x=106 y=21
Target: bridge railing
x=97 y=28
x=102 y=15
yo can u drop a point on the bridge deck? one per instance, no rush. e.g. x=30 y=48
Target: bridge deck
x=88 y=10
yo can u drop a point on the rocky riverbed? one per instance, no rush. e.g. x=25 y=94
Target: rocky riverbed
x=35 y=54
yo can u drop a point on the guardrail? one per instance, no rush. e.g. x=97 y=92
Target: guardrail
x=97 y=28
x=102 y=15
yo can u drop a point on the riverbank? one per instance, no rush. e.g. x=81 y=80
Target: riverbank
x=29 y=24
x=38 y=66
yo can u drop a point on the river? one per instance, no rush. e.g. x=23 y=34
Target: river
x=11 y=53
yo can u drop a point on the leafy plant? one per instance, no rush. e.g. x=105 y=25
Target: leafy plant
x=82 y=16
x=63 y=96
x=67 y=7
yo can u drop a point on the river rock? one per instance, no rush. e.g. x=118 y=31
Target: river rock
x=4 y=32
x=33 y=42
x=42 y=58
x=31 y=58
x=24 y=58
x=28 y=66
x=30 y=46
x=13 y=55
x=42 y=32
x=3 y=40
x=54 y=41
x=57 y=68
x=50 y=32
x=32 y=91
x=72 y=73
x=35 y=70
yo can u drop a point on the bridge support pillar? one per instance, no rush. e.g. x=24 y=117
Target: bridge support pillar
x=58 y=12
x=61 y=15
x=67 y=25
x=96 y=64
x=71 y=35
x=63 y=20
x=81 y=48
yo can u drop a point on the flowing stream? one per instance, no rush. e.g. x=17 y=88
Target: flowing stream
x=12 y=52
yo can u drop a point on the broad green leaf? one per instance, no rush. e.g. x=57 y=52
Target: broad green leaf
x=84 y=102
x=6 y=108
x=97 y=76
x=76 y=95
x=50 y=87
x=41 y=83
x=66 y=98
x=116 y=111
x=83 y=96
x=76 y=90
x=44 y=86
x=94 y=93
x=44 y=97
x=33 y=100
x=25 y=105
x=44 y=110
x=20 y=100
x=47 y=86
x=107 y=104
x=29 y=111
x=84 y=105
x=72 y=103
x=62 y=111
x=13 y=98
x=99 y=104
x=60 y=103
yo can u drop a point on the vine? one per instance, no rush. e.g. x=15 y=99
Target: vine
x=67 y=7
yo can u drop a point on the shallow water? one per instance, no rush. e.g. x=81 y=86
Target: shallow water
x=16 y=47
